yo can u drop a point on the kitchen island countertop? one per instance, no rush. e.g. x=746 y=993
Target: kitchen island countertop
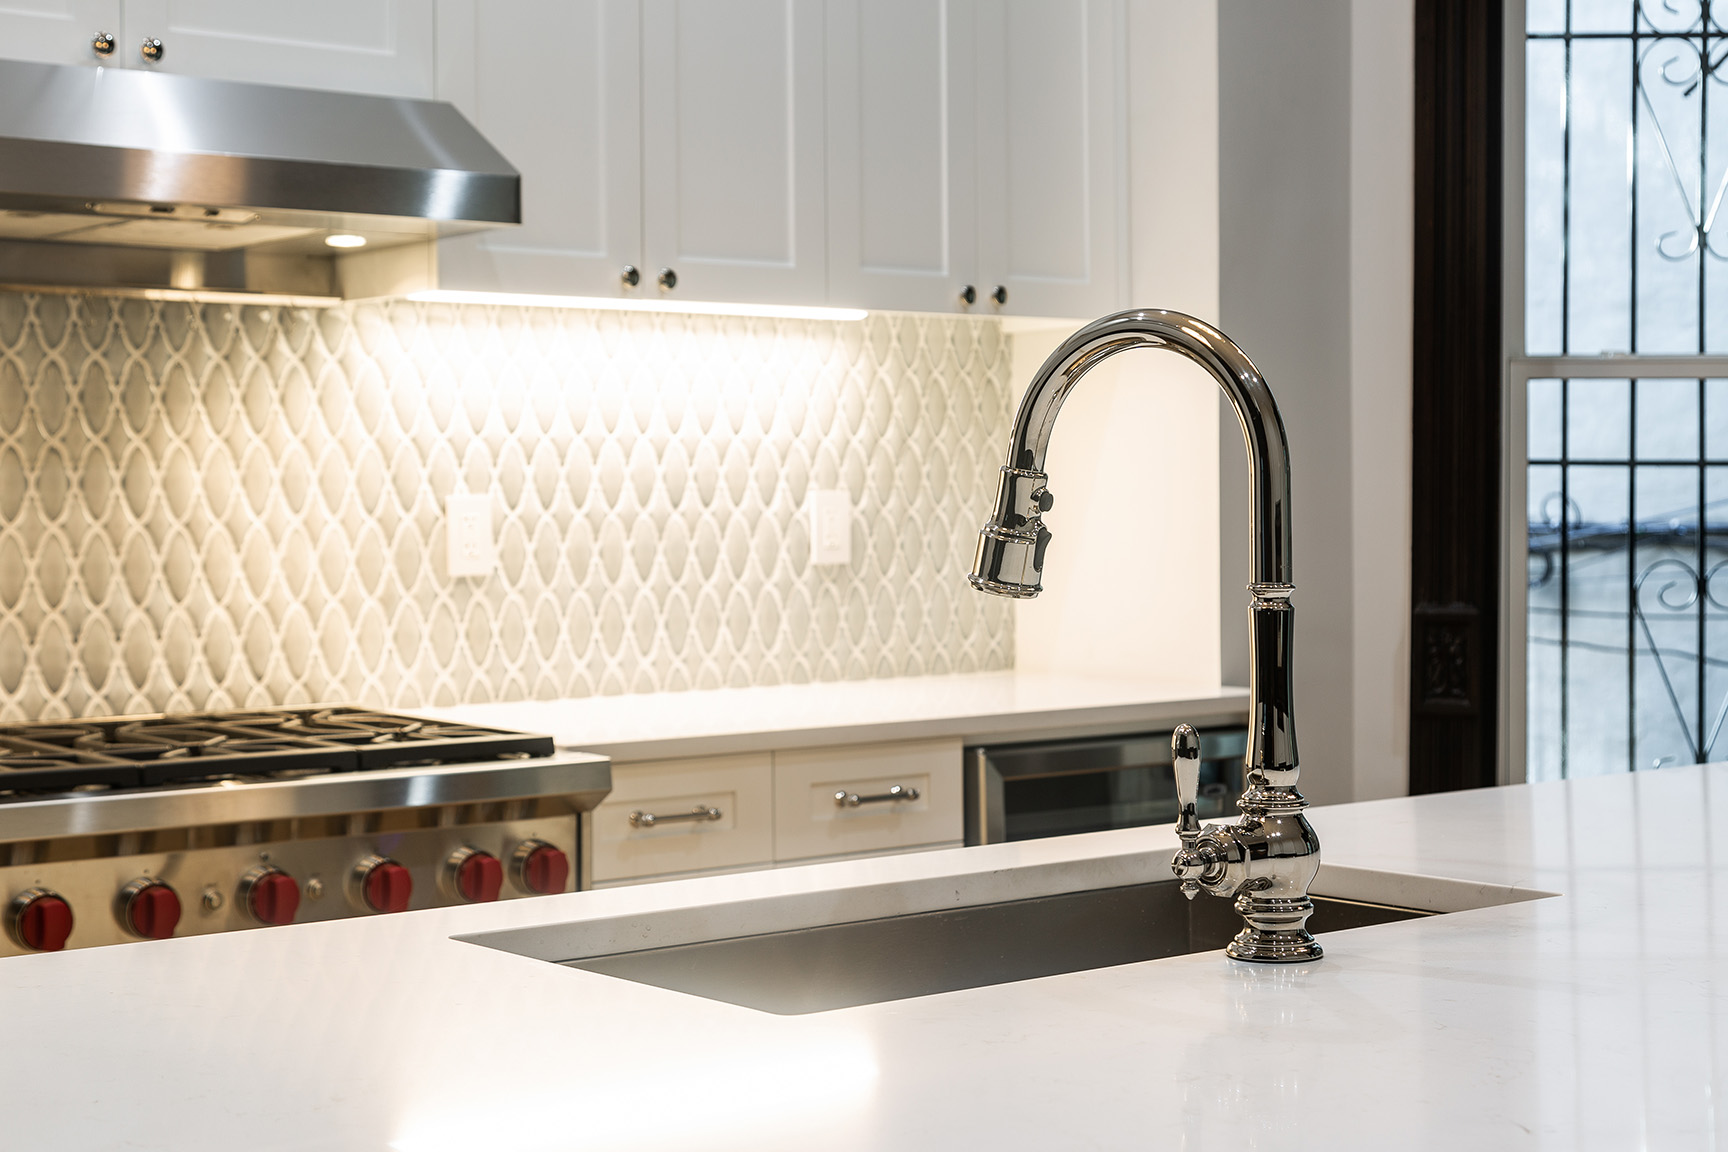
x=976 y=707
x=1591 y=1020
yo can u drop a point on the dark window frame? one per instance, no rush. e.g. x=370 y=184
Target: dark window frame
x=1457 y=395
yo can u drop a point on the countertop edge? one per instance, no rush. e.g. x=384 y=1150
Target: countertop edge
x=667 y=726
x=988 y=728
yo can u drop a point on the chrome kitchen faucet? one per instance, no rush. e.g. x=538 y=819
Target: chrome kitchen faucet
x=1266 y=860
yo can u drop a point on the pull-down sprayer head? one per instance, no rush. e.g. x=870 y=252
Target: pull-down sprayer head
x=1011 y=548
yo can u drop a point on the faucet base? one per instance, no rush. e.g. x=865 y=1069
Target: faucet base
x=1275 y=932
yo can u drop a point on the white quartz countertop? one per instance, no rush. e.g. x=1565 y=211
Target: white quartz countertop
x=1591 y=1020
x=978 y=707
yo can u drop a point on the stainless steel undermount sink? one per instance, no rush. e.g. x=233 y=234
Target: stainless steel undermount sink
x=814 y=952
x=898 y=957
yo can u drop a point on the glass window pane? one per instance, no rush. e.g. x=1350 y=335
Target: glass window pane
x=1544 y=195
x=1596 y=671
x=1602 y=15
x=1715 y=302
x=1545 y=15
x=1542 y=421
x=1715 y=307
x=1716 y=419
x=1666 y=643
x=1667 y=502
x=1542 y=659
x=1715 y=654
x=1670 y=15
x=1667 y=419
x=1598 y=244
x=1665 y=617
x=1598 y=415
x=1670 y=105
x=1542 y=491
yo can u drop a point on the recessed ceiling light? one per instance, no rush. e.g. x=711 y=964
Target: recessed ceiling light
x=345 y=240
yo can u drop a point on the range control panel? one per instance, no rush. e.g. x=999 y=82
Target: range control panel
x=113 y=899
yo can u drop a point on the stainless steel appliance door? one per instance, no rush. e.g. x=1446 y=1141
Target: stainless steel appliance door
x=1051 y=788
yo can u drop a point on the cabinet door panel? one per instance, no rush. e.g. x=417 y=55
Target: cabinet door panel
x=383 y=47
x=809 y=823
x=56 y=31
x=901 y=142
x=741 y=789
x=732 y=148
x=565 y=110
x=1053 y=162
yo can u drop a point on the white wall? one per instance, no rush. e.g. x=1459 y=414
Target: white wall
x=1131 y=577
x=1382 y=239
x=1315 y=125
x=1284 y=126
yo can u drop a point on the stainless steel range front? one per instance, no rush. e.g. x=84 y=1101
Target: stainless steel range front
x=145 y=827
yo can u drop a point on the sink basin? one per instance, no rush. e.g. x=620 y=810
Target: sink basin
x=837 y=948
x=898 y=957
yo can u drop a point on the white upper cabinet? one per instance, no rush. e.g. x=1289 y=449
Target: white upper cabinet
x=382 y=47
x=978 y=144
x=882 y=154
x=56 y=31
x=733 y=203
x=555 y=86
x=1052 y=165
x=385 y=47
x=675 y=142
x=902 y=144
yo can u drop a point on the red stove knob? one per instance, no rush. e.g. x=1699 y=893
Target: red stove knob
x=477 y=876
x=385 y=884
x=270 y=894
x=40 y=920
x=540 y=868
x=149 y=908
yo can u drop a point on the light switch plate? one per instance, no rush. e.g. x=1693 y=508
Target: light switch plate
x=830 y=526
x=468 y=534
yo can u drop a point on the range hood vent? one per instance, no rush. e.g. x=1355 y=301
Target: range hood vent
x=154 y=184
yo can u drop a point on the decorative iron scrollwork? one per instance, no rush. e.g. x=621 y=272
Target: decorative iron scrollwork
x=1686 y=64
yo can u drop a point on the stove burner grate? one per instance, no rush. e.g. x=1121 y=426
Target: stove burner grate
x=39 y=766
x=239 y=747
x=390 y=740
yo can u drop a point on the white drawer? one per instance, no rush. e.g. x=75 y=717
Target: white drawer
x=809 y=822
x=740 y=787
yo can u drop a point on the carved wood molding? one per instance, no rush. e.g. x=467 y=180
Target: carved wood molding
x=1447 y=644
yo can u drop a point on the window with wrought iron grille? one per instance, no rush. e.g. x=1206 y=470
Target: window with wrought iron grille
x=1624 y=379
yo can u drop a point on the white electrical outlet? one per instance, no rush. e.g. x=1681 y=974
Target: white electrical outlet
x=830 y=527
x=468 y=534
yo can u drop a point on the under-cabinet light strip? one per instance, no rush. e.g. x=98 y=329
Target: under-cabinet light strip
x=688 y=307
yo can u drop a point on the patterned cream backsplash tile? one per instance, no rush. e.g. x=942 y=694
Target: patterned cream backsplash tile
x=215 y=506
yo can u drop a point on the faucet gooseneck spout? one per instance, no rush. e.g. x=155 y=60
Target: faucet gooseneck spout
x=1267 y=859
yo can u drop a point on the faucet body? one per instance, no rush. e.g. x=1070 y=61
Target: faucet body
x=1266 y=860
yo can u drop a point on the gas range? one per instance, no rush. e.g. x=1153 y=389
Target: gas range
x=115 y=829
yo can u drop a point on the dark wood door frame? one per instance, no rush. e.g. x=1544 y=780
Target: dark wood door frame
x=1456 y=396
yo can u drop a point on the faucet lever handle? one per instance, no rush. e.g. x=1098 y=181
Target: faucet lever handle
x=1185 y=759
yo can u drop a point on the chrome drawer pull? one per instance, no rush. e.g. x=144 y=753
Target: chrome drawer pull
x=852 y=799
x=643 y=819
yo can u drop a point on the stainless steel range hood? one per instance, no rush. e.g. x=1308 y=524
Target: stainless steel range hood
x=162 y=185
